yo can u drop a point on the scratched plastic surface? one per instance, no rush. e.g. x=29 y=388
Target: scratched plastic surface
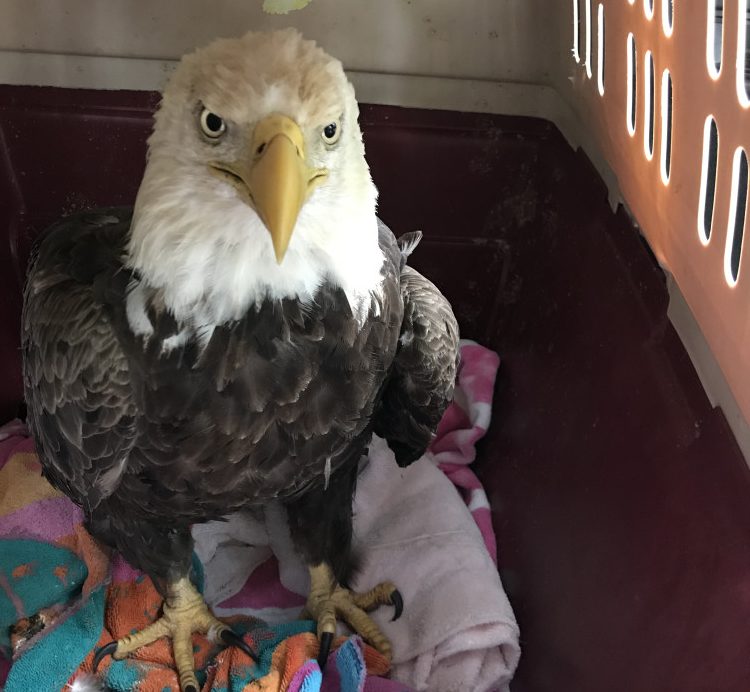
x=619 y=496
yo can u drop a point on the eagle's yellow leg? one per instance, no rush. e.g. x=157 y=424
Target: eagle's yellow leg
x=328 y=599
x=183 y=613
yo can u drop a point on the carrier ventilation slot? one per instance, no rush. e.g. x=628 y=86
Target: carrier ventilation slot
x=648 y=8
x=714 y=36
x=666 y=126
x=648 y=106
x=589 y=72
x=632 y=85
x=743 y=54
x=736 y=227
x=708 y=179
x=667 y=16
x=600 y=49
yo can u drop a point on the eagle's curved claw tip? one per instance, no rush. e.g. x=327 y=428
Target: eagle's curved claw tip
x=106 y=650
x=398 y=603
x=326 y=639
x=231 y=638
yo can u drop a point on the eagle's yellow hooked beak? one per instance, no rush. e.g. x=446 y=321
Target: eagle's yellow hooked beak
x=277 y=178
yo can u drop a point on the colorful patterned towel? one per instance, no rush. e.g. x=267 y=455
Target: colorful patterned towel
x=65 y=596
x=61 y=598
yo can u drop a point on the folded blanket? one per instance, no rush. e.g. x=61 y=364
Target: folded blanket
x=457 y=631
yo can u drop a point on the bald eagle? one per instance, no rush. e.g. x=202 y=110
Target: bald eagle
x=237 y=337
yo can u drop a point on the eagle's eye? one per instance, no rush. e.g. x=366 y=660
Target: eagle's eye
x=331 y=132
x=212 y=125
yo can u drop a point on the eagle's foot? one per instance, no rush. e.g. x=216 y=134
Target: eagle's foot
x=183 y=613
x=328 y=599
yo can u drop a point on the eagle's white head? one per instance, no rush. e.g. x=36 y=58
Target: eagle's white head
x=256 y=184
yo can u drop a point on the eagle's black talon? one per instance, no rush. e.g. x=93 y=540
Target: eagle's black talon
x=190 y=688
x=231 y=638
x=398 y=603
x=106 y=650
x=326 y=639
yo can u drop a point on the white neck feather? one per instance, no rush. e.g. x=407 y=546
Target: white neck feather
x=211 y=257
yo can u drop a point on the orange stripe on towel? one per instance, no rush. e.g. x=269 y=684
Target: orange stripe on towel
x=93 y=555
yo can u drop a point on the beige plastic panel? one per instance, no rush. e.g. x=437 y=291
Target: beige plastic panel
x=668 y=212
x=472 y=39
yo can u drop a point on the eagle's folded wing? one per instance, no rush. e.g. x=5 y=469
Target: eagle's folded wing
x=81 y=408
x=424 y=370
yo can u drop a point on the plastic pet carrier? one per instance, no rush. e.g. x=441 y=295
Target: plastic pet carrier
x=579 y=169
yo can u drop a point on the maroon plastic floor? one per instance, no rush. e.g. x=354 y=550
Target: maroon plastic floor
x=620 y=500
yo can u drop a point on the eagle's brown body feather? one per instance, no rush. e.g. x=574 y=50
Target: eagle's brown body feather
x=278 y=404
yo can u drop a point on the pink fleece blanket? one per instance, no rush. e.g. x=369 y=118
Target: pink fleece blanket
x=458 y=631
